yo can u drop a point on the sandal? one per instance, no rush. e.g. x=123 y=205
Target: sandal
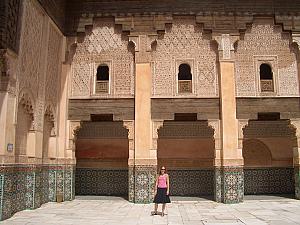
x=153 y=213
x=162 y=214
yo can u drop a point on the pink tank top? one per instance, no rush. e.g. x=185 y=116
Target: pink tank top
x=162 y=181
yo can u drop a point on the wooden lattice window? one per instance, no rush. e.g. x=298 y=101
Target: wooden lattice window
x=184 y=79
x=102 y=79
x=266 y=78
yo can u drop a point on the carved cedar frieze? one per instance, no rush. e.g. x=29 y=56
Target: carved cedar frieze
x=260 y=42
x=184 y=41
x=104 y=43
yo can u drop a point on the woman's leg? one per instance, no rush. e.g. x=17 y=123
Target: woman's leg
x=163 y=209
x=155 y=207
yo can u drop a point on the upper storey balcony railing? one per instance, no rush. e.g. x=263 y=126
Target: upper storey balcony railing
x=184 y=86
x=102 y=87
x=266 y=86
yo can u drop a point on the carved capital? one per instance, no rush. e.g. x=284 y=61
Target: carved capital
x=8 y=67
x=143 y=46
x=156 y=125
x=215 y=124
x=74 y=127
x=296 y=39
x=129 y=125
x=70 y=49
x=226 y=45
x=242 y=123
x=295 y=125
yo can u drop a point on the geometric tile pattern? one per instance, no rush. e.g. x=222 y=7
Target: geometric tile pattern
x=233 y=189
x=29 y=186
x=131 y=183
x=269 y=181
x=297 y=182
x=90 y=181
x=144 y=181
x=191 y=182
x=218 y=186
x=229 y=184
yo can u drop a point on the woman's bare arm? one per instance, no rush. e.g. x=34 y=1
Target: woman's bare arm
x=156 y=184
x=168 y=184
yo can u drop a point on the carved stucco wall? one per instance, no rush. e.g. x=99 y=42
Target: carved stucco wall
x=39 y=60
x=105 y=44
x=264 y=42
x=54 y=59
x=184 y=42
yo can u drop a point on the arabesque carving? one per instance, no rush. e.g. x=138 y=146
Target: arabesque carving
x=181 y=41
x=104 y=43
x=265 y=40
x=52 y=87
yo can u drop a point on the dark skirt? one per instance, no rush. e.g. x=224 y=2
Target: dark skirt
x=161 y=196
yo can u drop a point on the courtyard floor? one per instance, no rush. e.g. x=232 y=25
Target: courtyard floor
x=192 y=211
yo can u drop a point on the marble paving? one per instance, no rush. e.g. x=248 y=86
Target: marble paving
x=187 y=211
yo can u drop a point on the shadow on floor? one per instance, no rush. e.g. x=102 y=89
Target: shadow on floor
x=194 y=198
x=269 y=197
x=94 y=197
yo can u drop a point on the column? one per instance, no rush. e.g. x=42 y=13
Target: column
x=129 y=125
x=231 y=164
x=145 y=164
x=296 y=155
x=215 y=124
x=8 y=64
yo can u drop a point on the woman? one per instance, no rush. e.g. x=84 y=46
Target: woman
x=161 y=190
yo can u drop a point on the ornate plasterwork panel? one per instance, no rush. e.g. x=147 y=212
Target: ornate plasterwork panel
x=102 y=130
x=30 y=74
x=260 y=42
x=104 y=43
x=268 y=129
x=178 y=129
x=30 y=49
x=52 y=87
x=184 y=41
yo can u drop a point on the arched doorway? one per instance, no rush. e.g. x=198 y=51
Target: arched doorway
x=268 y=158
x=102 y=159
x=186 y=148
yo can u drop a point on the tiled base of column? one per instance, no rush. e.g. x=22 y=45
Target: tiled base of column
x=218 y=185
x=131 y=183
x=229 y=184
x=144 y=180
x=69 y=193
x=29 y=186
x=297 y=182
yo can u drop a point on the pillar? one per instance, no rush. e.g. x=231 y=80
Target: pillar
x=296 y=156
x=230 y=167
x=145 y=164
x=129 y=125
